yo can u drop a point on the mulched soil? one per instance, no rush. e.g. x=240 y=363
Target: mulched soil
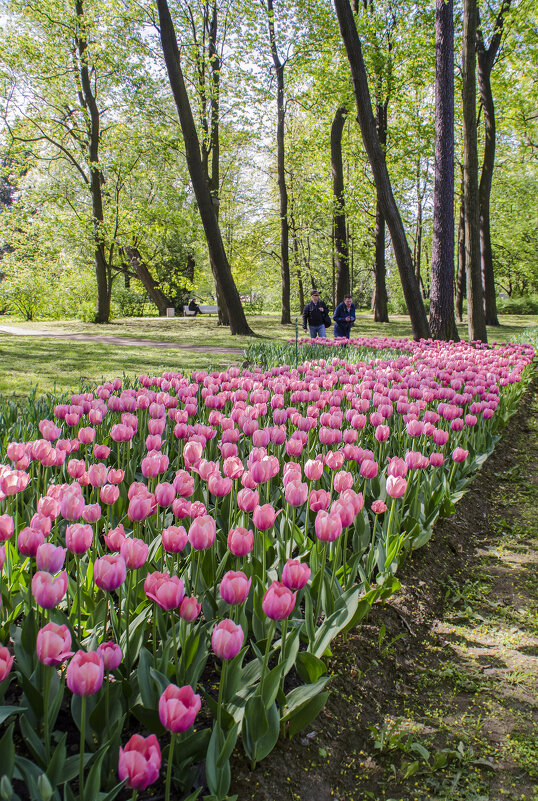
x=450 y=664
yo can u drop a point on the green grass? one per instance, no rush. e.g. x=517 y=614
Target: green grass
x=54 y=364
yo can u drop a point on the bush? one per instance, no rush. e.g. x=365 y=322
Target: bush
x=524 y=305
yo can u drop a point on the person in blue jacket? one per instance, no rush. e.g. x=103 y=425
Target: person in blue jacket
x=344 y=317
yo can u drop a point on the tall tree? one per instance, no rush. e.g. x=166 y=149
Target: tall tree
x=486 y=60
x=442 y=321
x=281 y=167
x=376 y=157
x=475 y=295
x=341 y=253
x=236 y=314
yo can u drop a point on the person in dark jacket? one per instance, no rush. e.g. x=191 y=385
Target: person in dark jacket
x=194 y=307
x=344 y=317
x=316 y=316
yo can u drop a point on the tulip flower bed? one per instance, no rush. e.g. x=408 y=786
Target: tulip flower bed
x=178 y=556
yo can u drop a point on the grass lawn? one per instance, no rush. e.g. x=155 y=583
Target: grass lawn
x=53 y=364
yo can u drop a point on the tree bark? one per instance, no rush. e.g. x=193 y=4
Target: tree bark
x=339 y=214
x=461 y=277
x=238 y=321
x=486 y=59
x=475 y=295
x=376 y=157
x=380 y=299
x=282 y=189
x=442 y=320
x=136 y=262
x=89 y=104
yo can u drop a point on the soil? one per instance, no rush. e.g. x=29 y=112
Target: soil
x=435 y=696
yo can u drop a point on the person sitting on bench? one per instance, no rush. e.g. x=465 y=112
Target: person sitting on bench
x=194 y=307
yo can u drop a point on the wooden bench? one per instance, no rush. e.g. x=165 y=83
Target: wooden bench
x=203 y=309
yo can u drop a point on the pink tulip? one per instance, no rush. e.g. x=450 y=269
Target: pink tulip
x=134 y=552
x=78 y=538
x=48 y=507
x=49 y=590
x=6 y=663
x=328 y=526
x=164 y=494
x=382 y=433
x=416 y=460
x=278 y=601
x=178 y=707
x=109 y=494
x=101 y=452
x=189 y=609
x=85 y=673
x=29 y=540
x=397 y=467
x=248 y=499
x=334 y=459
x=183 y=484
x=109 y=572
x=139 y=762
x=141 y=507
x=227 y=639
x=174 y=539
x=459 y=455
x=71 y=505
x=295 y=574
x=114 y=538
x=396 y=486
x=167 y=591
x=343 y=481
x=98 y=473
x=319 y=499
x=50 y=558
x=53 y=644
x=91 y=513
x=41 y=523
x=369 y=468
x=296 y=493
x=192 y=453
x=7 y=527
x=240 y=541
x=345 y=511
x=202 y=533
x=264 y=517
x=85 y=435
x=436 y=459
x=233 y=467
x=379 y=507
x=115 y=476
x=76 y=468
x=313 y=469
x=235 y=587
x=110 y=654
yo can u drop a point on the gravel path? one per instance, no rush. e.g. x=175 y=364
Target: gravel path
x=121 y=341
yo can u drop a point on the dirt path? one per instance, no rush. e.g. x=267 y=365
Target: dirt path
x=121 y=341
x=436 y=696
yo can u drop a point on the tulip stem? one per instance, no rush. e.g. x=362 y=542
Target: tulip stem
x=322 y=581
x=266 y=655
x=176 y=648
x=79 y=626
x=82 y=744
x=46 y=694
x=169 y=768
x=127 y=613
x=221 y=692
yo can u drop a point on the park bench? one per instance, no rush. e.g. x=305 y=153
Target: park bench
x=203 y=309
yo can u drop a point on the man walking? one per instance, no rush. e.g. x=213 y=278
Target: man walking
x=344 y=317
x=316 y=316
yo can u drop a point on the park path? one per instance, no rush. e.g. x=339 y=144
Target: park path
x=121 y=341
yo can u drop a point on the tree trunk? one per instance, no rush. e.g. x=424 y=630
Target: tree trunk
x=89 y=104
x=282 y=189
x=339 y=214
x=376 y=156
x=137 y=264
x=380 y=299
x=442 y=320
x=475 y=295
x=486 y=59
x=461 y=277
x=238 y=321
